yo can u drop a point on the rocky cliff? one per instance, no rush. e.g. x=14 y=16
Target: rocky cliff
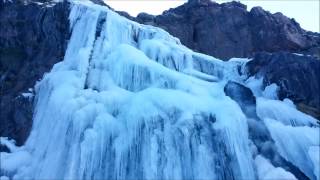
x=228 y=30
x=33 y=37
x=297 y=76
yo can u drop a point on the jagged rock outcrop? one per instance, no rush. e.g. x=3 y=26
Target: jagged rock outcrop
x=297 y=76
x=228 y=30
x=33 y=37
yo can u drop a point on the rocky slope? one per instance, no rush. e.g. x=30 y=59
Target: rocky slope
x=33 y=37
x=228 y=30
x=297 y=76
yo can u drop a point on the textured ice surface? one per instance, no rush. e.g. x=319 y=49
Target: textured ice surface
x=284 y=112
x=314 y=152
x=294 y=144
x=130 y=102
x=266 y=171
x=296 y=135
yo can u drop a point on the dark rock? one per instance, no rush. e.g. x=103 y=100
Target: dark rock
x=297 y=76
x=243 y=96
x=33 y=37
x=4 y=148
x=145 y=17
x=99 y=2
x=229 y=30
x=125 y=14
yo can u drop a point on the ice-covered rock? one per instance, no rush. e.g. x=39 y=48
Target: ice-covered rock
x=130 y=102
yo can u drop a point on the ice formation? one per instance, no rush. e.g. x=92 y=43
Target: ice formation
x=130 y=102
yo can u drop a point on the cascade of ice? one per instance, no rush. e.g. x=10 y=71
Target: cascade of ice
x=130 y=102
x=296 y=135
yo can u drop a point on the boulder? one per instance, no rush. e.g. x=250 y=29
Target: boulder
x=243 y=96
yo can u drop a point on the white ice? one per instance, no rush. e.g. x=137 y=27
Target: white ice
x=266 y=171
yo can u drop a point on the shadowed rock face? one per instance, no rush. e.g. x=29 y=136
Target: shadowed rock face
x=229 y=30
x=297 y=76
x=243 y=96
x=33 y=38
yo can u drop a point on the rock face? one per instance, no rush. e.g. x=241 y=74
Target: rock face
x=33 y=37
x=243 y=96
x=297 y=76
x=229 y=30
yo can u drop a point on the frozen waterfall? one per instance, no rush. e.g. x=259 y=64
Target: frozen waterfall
x=130 y=102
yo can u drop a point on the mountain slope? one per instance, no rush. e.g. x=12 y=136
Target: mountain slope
x=228 y=30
